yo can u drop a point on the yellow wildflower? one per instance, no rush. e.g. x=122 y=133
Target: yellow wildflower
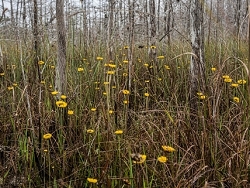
x=199 y=93
x=119 y=132
x=234 y=85
x=213 y=69
x=146 y=94
x=90 y=131
x=52 y=66
x=236 y=99
x=106 y=83
x=138 y=158
x=92 y=180
x=126 y=47
x=113 y=87
x=61 y=104
x=47 y=136
x=225 y=76
x=166 y=67
x=202 y=97
x=146 y=81
x=146 y=64
x=63 y=96
x=159 y=79
x=125 y=74
x=125 y=92
x=125 y=102
x=152 y=47
x=111 y=111
x=241 y=81
x=80 y=69
x=14 y=84
x=125 y=61
x=112 y=65
x=54 y=92
x=10 y=88
x=70 y=112
x=111 y=72
x=160 y=57
x=162 y=159
x=42 y=82
x=99 y=58
x=40 y=62
x=168 y=148
x=93 y=109
x=2 y=74
x=228 y=80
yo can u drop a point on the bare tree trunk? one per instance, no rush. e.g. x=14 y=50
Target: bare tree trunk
x=237 y=17
x=197 y=66
x=152 y=51
x=60 y=82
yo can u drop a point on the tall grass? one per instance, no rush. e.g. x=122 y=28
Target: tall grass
x=155 y=113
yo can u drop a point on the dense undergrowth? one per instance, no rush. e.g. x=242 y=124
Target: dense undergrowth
x=104 y=131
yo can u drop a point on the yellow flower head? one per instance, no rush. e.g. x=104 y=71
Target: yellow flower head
x=213 y=69
x=54 y=92
x=126 y=47
x=42 y=82
x=47 y=136
x=199 y=93
x=236 y=99
x=234 y=85
x=63 y=96
x=2 y=74
x=119 y=132
x=52 y=66
x=228 y=80
x=90 y=131
x=167 y=67
x=160 y=57
x=40 y=62
x=80 y=69
x=202 y=97
x=225 y=76
x=14 y=84
x=159 y=79
x=111 y=111
x=125 y=92
x=168 y=148
x=125 y=61
x=70 y=112
x=241 y=82
x=112 y=65
x=125 y=74
x=146 y=64
x=93 y=109
x=111 y=72
x=162 y=159
x=147 y=81
x=146 y=94
x=10 y=88
x=92 y=180
x=138 y=158
x=152 y=47
x=61 y=104
x=106 y=83
x=99 y=58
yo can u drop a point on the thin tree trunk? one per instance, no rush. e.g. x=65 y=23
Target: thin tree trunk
x=60 y=81
x=197 y=66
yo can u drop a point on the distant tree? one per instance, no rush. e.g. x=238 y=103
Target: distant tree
x=60 y=81
x=197 y=65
